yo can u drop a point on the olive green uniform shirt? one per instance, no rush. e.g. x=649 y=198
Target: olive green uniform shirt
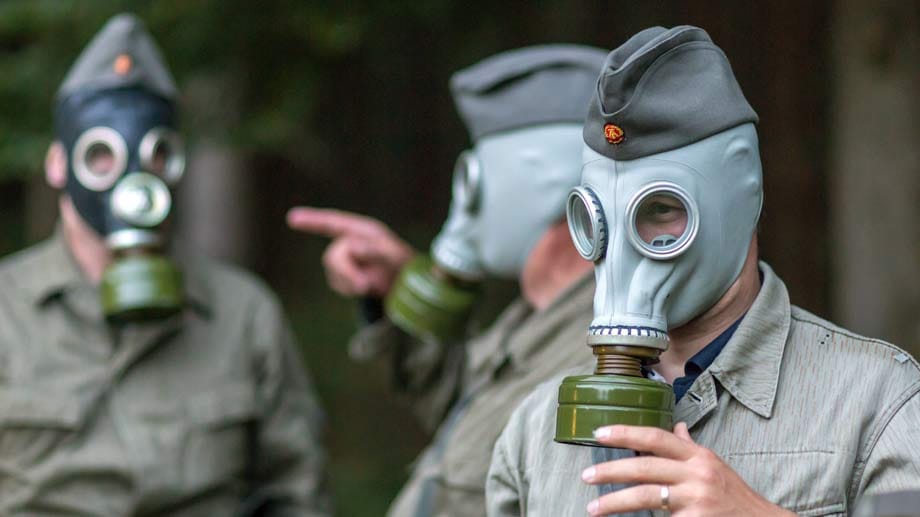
x=500 y=367
x=522 y=349
x=189 y=416
x=810 y=415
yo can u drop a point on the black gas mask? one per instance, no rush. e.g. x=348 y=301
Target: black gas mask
x=124 y=157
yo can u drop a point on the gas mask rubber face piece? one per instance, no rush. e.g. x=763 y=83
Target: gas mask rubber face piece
x=669 y=234
x=123 y=159
x=507 y=191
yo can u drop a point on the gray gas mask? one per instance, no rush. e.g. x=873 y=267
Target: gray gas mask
x=524 y=110
x=507 y=191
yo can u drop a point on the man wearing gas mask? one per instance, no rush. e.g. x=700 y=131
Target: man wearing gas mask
x=777 y=410
x=132 y=383
x=524 y=110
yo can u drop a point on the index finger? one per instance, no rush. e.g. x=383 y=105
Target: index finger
x=645 y=439
x=328 y=222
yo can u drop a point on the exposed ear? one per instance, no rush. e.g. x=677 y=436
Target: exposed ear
x=742 y=158
x=56 y=165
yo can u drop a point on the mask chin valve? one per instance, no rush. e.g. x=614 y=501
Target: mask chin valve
x=617 y=392
x=428 y=302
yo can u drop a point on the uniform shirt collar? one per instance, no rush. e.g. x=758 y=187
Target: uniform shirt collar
x=749 y=365
x=53 y=272
x=703 y=359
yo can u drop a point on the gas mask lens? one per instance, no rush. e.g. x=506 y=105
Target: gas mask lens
x=99 y=158
x=664 y=220
x=163 y=153
x=467 y=181
x=587 y=224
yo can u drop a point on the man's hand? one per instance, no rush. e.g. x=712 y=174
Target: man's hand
x=365 y=256
x=698 y=481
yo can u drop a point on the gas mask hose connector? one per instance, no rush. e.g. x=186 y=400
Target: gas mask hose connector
x=623 y=360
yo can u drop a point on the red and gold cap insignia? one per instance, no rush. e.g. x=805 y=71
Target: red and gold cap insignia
x=613 y=133
x=122 y=64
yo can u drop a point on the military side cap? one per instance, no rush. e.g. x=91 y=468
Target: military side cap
x=122 y=54
x=542 y=84
x=661 y=90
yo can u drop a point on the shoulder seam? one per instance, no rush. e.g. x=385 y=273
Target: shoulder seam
x=830 y=327
x=876 y=434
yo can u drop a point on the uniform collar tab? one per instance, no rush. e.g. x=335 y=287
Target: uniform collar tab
x=749 y=365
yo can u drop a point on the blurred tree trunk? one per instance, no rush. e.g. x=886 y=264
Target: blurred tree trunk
x=875 y=169
x=215 y=199
x=215 y=206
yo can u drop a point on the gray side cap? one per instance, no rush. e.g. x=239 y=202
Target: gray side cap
x=95 y=69
x=542 y=84
x=664 y=89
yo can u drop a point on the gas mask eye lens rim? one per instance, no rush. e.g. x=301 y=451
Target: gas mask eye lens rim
x=683 y=241
x=587 y=224
x=467 y=181
x=174 y=167
x=91 y=139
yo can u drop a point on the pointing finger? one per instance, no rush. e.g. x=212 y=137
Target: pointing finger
x=327 y=222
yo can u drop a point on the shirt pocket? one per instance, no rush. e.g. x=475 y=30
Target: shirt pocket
x=218 y=444
x=809 y=483
x=34 y=425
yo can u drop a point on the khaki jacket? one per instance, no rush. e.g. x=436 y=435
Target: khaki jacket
x=811 y=415
x=500 y=367
x=198 y=415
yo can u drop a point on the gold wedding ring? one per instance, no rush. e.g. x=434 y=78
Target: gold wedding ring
x=665 y=498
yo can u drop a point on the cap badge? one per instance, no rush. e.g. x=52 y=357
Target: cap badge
x=122 y=64
x=613 y=133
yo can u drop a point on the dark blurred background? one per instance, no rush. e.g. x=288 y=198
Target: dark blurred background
x=345 y=104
